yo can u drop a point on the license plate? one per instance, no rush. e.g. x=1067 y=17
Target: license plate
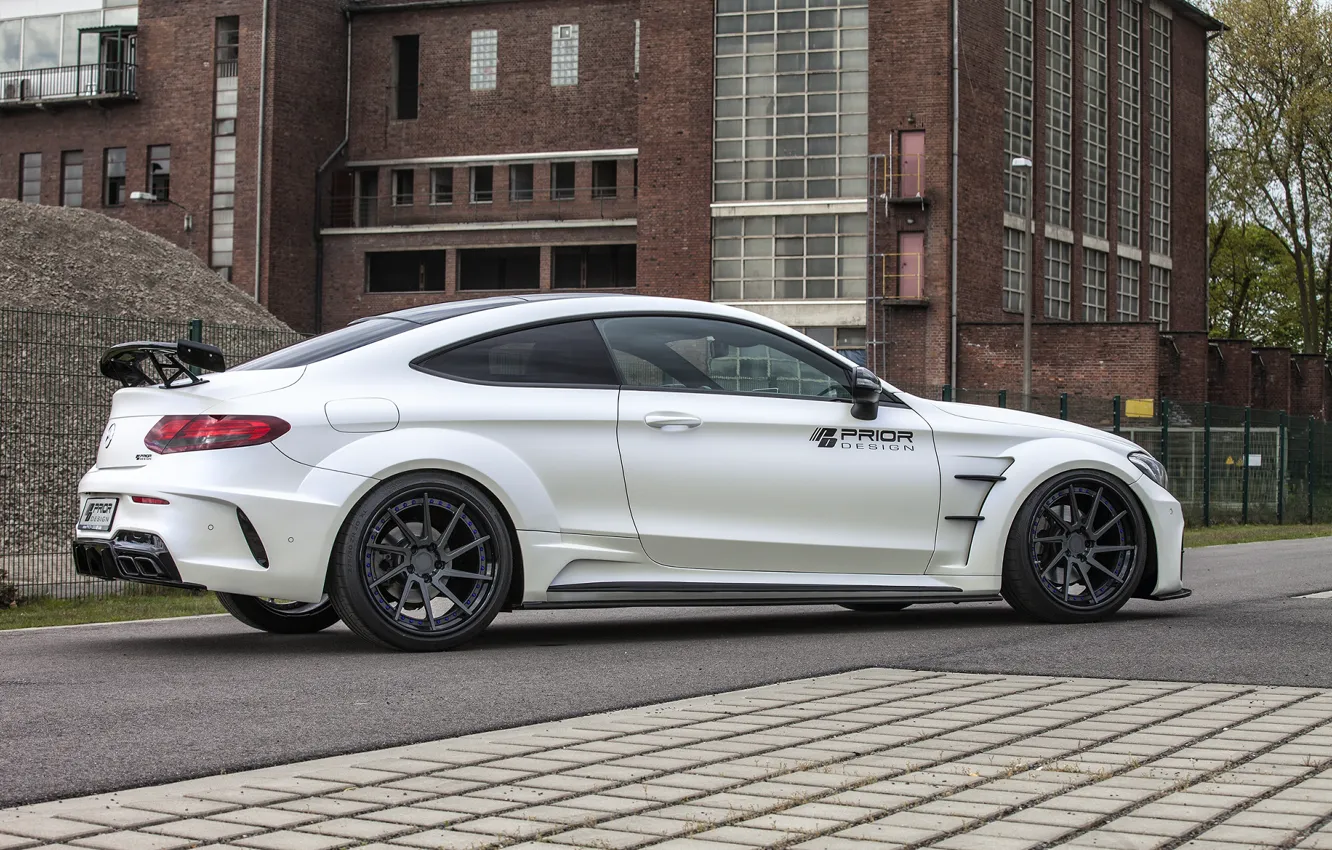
x=97 y=514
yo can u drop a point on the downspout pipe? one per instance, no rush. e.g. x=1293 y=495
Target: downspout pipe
x=952 y=274
x=319 y=192
x=259 y=169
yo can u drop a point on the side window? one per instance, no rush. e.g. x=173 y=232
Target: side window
x=675 y=352
x=563 y=354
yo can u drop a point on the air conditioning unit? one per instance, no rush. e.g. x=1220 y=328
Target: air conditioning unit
x=566 y=31
x=17 y=89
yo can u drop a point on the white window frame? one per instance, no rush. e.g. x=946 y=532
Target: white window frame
x=1130 y=123
x=1059 y=112
x=1015 y=269
x=1128 y=280
x=1058 y=279
x=1096 y=119
x=1095 y=266
x=1018 y=106
x=1159 y=296
x=1160 y=137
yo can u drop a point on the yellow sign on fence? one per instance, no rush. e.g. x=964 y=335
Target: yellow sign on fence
x=1144 y=408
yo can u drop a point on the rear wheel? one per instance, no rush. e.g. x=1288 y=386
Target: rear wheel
x=280 y=616
x=1076 y=551
x=875 y=607
x=423 y=564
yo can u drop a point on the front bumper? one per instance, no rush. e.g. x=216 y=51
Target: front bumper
x=248 y=521
x=1166 y=517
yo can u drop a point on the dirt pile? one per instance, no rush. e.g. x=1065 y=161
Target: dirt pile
x=66 y=260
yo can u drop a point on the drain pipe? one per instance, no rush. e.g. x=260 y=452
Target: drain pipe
x=259 y=169
x=953 y=346
x=319 y=192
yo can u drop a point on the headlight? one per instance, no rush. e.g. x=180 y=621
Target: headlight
x=1151 y=467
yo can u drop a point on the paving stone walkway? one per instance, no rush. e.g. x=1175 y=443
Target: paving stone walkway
x=872 y=758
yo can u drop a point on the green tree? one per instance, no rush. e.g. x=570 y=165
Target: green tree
x=1272 y=111
x=1251 y=286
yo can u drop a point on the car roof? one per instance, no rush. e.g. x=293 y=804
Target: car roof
x=431 y=313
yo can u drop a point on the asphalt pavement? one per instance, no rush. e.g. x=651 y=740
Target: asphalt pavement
x=100 y=708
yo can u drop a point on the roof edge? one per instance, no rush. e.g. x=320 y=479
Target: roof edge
x=1197 y=15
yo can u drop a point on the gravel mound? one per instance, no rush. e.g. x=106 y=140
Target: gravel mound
x=67 y=260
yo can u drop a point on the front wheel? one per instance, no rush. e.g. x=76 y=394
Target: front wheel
x=1077 y=549
x=280 y=616
x=423 y=564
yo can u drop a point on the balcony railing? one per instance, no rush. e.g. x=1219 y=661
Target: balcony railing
x=40 y=86
x=576 y=204
x=898 y=277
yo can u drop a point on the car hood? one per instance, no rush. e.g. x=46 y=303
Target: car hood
x=1018 y=421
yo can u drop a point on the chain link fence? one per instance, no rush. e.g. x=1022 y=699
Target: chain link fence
x=53 y=408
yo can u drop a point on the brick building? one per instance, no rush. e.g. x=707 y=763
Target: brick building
x=844 y=166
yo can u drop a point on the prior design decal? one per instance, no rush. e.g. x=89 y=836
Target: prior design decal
x=864 y=439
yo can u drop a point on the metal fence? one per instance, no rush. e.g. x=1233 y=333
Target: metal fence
x=53 y=407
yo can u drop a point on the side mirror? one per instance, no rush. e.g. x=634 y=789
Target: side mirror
x=866 y=390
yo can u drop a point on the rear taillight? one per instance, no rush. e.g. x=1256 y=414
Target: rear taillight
x=196 y=433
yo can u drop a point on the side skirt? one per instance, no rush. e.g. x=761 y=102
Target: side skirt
x=691 y=594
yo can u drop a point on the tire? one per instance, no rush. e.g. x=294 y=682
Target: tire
x=401 y=587
x=281 y=618
x=1083 y=519
x=875 y=607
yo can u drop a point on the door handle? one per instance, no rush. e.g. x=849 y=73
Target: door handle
x=672 y=421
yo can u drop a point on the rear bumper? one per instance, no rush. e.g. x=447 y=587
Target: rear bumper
x=130 y=556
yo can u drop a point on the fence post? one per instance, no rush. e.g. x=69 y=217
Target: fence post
x=1165 y=433
x=1003 y=398
x=1207 y=464
x=1281 y=469
x=196 y=335
x=1116 y=415
x=1063 y=406
x=1244 y=497
x=1308 y=467
x=947 y=392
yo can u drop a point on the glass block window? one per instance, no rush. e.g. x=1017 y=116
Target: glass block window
x=1130 y=121
x=1130 y=273
x=1058 y=279
x=1017 y=101
x=762 y=258
x=1059 y=112
x=564 y=55
x=792 y=100
x=637 y=41
x=1160 y=171
x=1015 y=267
x=30 y=178
x=485 y=59
x=1159 y=297
x=1093 y=285
x=1095 y=119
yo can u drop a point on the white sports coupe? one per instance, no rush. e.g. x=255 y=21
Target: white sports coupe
x=414 y=474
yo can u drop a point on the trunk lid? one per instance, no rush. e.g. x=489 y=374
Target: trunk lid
x=135 y=410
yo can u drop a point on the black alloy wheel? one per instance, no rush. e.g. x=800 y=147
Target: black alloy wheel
x=280 y=616
x=1077 y=549
x=423 y=564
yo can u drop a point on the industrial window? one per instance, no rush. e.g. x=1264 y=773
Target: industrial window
x=441 y=186
x=71 y=178
x=1019 y=52
x=788 y=257
x=227 y=46
x=637 y=39
x=791 y=102
x=367 y=198
x=159 y=172
x=1095 y=119
x=520 y=182
x=404 y=187
x=1059 y=112
x=604 y=177
x=1058 y=279
x=113 y=177
x=593 y=266
x=1130 y=273
x=1160 y=171
x=499 y=268
x=1093 y=285
x=849 y=342
x=483 y=184
x=1159 y=297
x=562 y=181
x=564 y=55
x=1015 y=269
x=405 y=271
x=485 y=59
x=406 y=76
x=1130 y=121
x=30 y=178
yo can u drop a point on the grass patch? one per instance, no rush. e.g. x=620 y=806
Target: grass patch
x=1220 y=535
x=108 y=609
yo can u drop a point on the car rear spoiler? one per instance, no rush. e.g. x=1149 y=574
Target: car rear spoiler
x=166 y=364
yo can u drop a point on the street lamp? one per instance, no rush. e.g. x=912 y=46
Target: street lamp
x=150 y=198
x=1022 y=162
